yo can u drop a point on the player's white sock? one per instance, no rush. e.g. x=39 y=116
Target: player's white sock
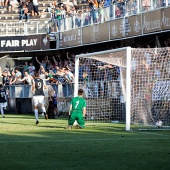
x=43 y=109
x=2 y=111
x=36 y=113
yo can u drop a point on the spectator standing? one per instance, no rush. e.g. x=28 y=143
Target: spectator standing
x=17 y=79
x=51 y=100
x=12 y=88
x=5 y=78
x=58 y=18
x=146 y=4
x=96 y=11
x=24 y=14
x=31 y=69
x=118 y=12
x=87 y=16
x=12 y=4
x=30 y=7
x=1 y=3
x=93 y=5
x=27 y=78
x=25 y=67
x=28 y=82
x=3 y=99
x=42 y=63
x=120 y=6
x=55 y=105
x=49 y=66
x=81 y=70
x=131 y=7
x=69 y=81
x=35 y=7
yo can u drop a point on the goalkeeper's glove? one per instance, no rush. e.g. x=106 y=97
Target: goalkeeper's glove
x=69 y=116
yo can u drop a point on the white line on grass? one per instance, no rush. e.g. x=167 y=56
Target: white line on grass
x=157 y=134
x=73 y=140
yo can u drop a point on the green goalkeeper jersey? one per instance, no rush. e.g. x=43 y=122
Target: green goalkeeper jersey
x=78 y=103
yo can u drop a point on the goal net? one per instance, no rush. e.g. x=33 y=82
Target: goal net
x=126 y=85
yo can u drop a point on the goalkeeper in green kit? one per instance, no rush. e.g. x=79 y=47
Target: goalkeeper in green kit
x=77 y=110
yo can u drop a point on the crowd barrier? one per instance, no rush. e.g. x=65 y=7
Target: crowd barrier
x=24 y=28
x=20 y=96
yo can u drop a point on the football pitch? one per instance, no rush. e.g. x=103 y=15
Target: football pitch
x=101 y=146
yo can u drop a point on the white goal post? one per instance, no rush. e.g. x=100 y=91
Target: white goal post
x=137 y=79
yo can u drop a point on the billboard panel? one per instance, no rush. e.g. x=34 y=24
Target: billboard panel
x=95 y=33
x=133 y=25
x=70 y=38
x=19 y=43
x=151 y=21
x=117 y=29
x=87 y=35
x=165 y=18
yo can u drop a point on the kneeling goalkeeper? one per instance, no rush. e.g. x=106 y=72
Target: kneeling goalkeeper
x=77 y=110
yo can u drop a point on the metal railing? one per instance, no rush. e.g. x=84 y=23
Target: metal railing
x=103 y=14
x=24 y=28
x=92 y=90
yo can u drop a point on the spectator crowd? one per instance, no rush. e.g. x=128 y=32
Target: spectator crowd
x=68 y=14
x=55 y=71
x=59 y=69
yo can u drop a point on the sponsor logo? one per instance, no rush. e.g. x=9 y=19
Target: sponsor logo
x=70 y=38
x=45 y=40
x=151 y=25
x=136 y=26
x=18 y=43
x=114 y=30
x=165 y=20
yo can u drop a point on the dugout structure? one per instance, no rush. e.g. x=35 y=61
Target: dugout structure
x=126 y=85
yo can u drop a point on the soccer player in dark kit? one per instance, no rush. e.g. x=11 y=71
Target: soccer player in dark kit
x=38 y=87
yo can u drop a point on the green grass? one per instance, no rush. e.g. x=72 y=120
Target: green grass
x=49 y=146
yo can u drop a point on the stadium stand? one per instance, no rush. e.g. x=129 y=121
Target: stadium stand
x=9 y=20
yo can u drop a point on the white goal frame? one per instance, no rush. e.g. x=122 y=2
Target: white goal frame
x=128 y=77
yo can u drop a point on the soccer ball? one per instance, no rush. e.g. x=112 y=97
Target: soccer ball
x=159 y=123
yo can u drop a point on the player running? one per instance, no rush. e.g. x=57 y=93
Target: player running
x=77 y=110
x=38 y=87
